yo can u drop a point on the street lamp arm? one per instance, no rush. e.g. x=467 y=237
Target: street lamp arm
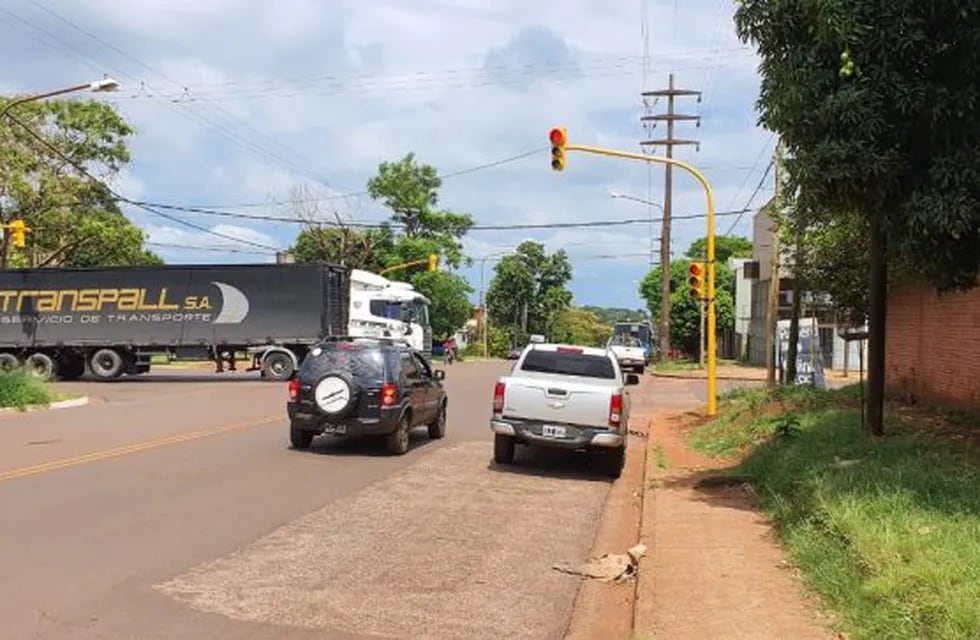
x=106 y=84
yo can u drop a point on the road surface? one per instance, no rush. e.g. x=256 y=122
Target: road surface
x=172 y=507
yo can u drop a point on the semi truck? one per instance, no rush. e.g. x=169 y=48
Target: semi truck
x=110 y=322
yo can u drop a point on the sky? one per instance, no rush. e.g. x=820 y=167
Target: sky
x=243 y=107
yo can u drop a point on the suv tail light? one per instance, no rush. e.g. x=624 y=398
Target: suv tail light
x=294 y=389
x=616 y=410
x=498 y=398
x=389 y=394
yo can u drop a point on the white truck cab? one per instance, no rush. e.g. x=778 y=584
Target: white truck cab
x=383 y=308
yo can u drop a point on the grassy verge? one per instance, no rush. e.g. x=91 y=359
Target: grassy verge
x=887 y=531
x=18 y=391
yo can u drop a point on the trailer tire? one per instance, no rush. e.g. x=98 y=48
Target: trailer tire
x=106 y=364
x=71 y=366
x=41 y=365
x=278 y=366
x=8 y=363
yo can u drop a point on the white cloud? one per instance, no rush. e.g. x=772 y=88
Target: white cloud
x=318 y=93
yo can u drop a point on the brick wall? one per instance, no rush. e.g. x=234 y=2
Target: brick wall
x=933 y=345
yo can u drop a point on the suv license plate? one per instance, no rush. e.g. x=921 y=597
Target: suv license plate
x=335 y=429
x=552 y=431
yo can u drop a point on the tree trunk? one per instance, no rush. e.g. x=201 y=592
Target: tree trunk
x=877 y=295
x=794 y=332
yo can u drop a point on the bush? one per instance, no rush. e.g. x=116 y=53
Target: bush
x=20 y=390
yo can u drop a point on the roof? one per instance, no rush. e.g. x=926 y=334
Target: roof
x=589 y=351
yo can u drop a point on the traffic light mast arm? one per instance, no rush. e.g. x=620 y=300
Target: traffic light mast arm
x=414 y=263
x=709 y=196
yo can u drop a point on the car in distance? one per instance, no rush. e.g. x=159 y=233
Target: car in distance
x=564 y=396
x=629 y=352
x=355 y=387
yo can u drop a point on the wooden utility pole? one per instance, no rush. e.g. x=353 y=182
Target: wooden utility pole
x=772 y=310
x=670 y=117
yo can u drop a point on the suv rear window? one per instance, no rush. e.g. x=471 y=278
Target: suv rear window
x=365 y=362
x=569 y=364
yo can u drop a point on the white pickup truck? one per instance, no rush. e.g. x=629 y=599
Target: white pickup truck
x=563 y=396
x=629 y=352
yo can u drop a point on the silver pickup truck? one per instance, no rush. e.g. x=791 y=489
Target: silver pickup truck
x=564 y=396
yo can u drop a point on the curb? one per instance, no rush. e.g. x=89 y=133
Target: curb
x=680 y=376
x=54 y=406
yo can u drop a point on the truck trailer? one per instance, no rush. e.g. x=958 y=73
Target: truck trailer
x=58 y=323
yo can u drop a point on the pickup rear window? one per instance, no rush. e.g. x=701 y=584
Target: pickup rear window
x=569 y=364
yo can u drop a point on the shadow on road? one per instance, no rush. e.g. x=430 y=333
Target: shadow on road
x=553 y=463
x=373 y=446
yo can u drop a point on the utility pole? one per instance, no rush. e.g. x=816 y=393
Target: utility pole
x=772 y=311
x=670 y=117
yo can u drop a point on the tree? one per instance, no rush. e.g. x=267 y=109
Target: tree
x=873 y=103
x=74 y=220
x=449 y=294
x=367 y=249
x=579 y=325
x=529 y=290
x=611 y=316
x=725 y=247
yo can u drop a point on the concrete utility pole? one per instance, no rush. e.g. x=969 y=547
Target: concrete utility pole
x=668 y=143
x=772 y=309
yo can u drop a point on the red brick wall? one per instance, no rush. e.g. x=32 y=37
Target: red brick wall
x=933 y=345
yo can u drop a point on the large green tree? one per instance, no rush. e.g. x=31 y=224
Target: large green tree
x=725 y=247
x=875 y=103
x=579 y=325
x=529 y=290
x=74 y=220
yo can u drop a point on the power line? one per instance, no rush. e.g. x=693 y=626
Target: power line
x=751 y=198
x=212 y=248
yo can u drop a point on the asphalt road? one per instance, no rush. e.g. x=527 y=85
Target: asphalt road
x=172 y=507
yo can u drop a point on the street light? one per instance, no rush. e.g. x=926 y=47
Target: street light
x=98 y=86
x=623 y=196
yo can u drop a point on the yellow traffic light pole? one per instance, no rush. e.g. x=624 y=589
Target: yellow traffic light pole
x=432 y=262
x=709 y=196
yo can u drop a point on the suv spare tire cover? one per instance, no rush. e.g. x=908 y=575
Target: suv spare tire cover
x=335 y=394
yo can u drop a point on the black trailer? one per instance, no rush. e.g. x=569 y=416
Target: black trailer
x=111 y=321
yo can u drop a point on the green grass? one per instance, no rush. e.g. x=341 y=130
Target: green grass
x=669 y=366
x=661 y=457
x=18 y=390
x=887 y=531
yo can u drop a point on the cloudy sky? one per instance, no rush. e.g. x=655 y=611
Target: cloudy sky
x=240 y=105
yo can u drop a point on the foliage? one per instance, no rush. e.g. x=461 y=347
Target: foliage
x=449 y=294
x=874 y=102
x=611 y=316
x=529 y=289
x=366 y=249
x=725 y=247
x=835 y=259
x=19 y=390
x=887 y=531
x=577 y=325
x=411 y=192
x=685 y=314
x=74 y=221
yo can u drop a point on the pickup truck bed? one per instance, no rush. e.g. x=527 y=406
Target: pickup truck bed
x=565 y=397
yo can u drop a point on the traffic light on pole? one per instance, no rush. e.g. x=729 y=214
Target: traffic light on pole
x=433 y=262
x=695 y=280
x=558 y=139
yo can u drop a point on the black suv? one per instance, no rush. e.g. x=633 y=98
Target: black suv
x=357 y=387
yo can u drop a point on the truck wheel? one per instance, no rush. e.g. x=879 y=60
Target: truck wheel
x=278 y=366
x=71 y=366
x=106 y=364
x=503 y=449
x=437 y=428
x=299 y=438
x=8 y=363
x=613 y=462
x=41 y=366
x=398 y=440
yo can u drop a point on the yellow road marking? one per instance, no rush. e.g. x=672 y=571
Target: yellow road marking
x=106 y=454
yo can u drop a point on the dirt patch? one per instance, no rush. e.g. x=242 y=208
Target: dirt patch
x=714 y=569
x=451 y=547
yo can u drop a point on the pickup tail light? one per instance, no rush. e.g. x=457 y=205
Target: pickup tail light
x=294 y=390
x=389 y=394
x=498 y=398
x=616 y=410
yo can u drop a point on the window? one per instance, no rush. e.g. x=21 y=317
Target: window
x=409 y=367
x=423 y=366
x=364 y=361
x=386 y=309
x=569 y=364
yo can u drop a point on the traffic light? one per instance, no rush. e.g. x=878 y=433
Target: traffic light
x=558 y=139
x=433 y=262
x=18 y=233
x=695 y=280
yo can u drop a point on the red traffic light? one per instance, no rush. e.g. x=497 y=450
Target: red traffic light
x=695 y=269
x=557 y=136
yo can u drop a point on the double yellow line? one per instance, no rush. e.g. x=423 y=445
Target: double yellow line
x=124 y=450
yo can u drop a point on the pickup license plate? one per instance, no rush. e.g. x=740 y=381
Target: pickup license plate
x=552 y=431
